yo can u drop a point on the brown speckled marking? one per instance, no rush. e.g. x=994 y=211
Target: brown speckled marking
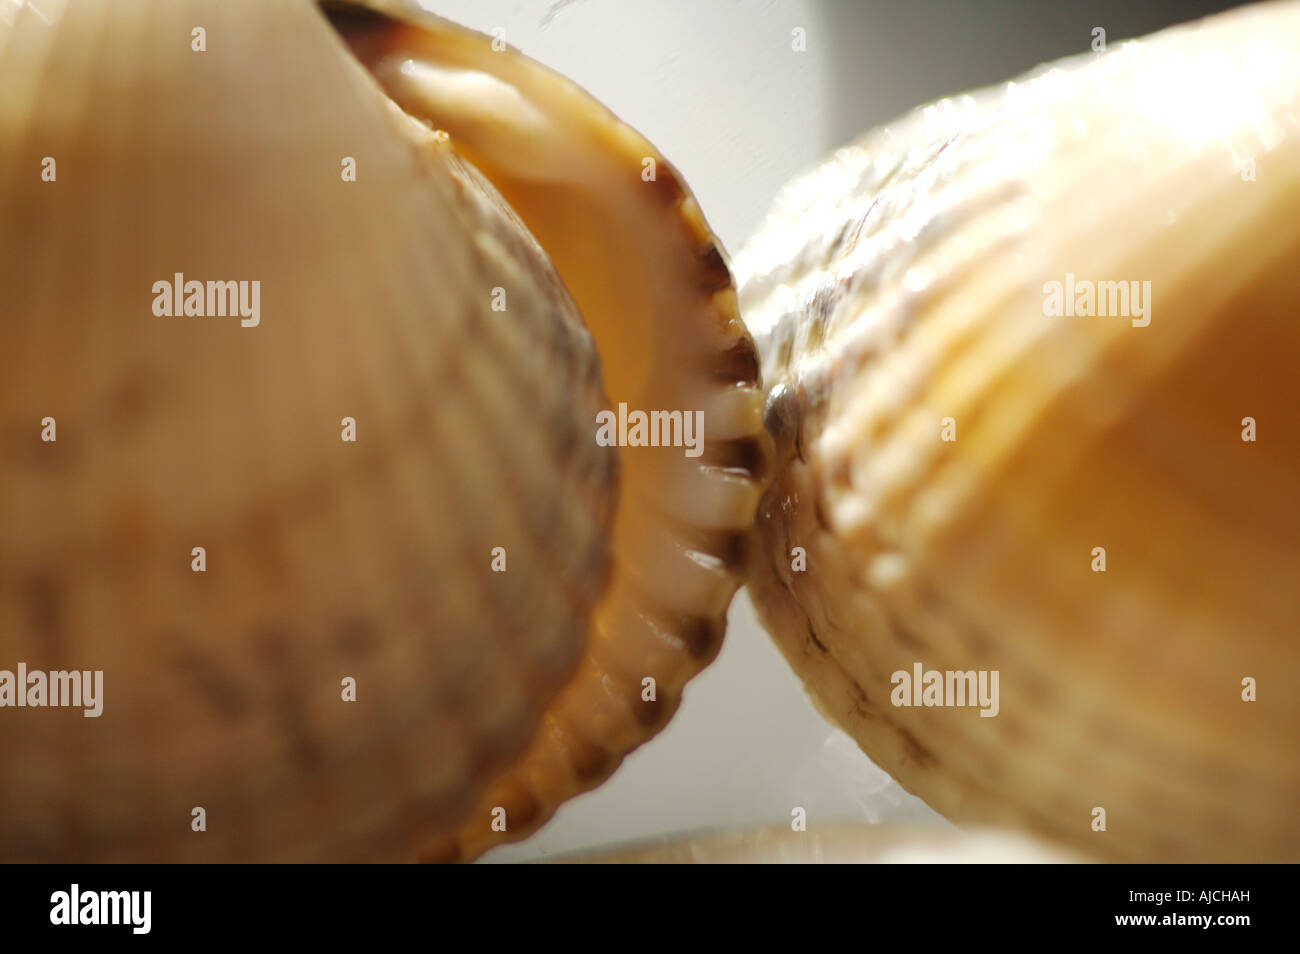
x=356 y=638
x=702 y=636
x=666 y=187
x=228 y=699
x=918 y=753
x=590 y=762
x=816 y=642
x=714 y=274
x=25 y=447
x=129 y=400
x=263 y=527
x=739 y=364
x=734 y=548
x=43 y=596
x=860 y=700
x=522 y=808
x=274 y=648
x=903 y=633
x=651 y=712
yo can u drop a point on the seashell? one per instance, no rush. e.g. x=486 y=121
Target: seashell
x=655 y=291
x=480 y=696
x=982 y=480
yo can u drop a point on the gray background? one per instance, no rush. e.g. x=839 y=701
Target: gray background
x=715 y=85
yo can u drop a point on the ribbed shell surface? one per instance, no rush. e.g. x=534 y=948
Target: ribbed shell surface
x=326 y=559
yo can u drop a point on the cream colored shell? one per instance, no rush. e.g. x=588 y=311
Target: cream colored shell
x=654 y=288
x=326 y=559
x=951 y=452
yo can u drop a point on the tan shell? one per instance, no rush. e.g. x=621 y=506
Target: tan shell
x=654 y=288
x=903 y=283
x=326 y=559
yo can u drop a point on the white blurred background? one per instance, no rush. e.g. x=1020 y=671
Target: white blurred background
x=716 y=85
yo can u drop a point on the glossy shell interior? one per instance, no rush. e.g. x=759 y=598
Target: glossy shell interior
x=653 y=286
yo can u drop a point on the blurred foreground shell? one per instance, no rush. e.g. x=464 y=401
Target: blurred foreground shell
x=953 y=447
x=328 y=559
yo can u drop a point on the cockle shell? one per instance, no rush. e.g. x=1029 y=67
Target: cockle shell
x=481 y=696
x=954 y=454
x=655 y=291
